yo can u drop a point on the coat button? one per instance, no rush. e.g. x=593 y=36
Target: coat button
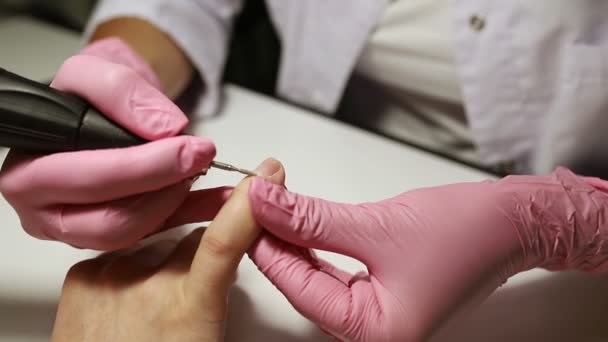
x=477 y=23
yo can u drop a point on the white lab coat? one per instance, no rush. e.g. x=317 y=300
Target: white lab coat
x=534 y=74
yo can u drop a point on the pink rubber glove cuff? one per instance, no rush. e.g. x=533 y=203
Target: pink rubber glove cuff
x=560 y=219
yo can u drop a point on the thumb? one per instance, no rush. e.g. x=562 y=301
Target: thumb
x=226 y=240
x=312 y=222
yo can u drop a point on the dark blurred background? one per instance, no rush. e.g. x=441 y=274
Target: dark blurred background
x=71 y=14
x=253 y=33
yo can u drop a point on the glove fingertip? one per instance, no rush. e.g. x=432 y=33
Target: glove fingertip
x=195 y=154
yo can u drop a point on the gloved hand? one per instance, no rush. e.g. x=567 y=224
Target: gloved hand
x=429 y=252
x=109 y=199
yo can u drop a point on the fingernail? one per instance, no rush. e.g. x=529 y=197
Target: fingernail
x=268 y=168
x=156 y=115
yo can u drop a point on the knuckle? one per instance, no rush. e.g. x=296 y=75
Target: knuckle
x=39 y=224
x=308 y=222
x=121 y=77
x=215 y=247
x=11 y=190
x=114 y=233
x=242 y=189
x=33 y=230
x=11 y=184
x=120 y=220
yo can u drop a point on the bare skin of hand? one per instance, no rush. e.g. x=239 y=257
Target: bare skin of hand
x=145 y=295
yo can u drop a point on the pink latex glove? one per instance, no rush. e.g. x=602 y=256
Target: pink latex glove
x=109 y=199
x=429 y=252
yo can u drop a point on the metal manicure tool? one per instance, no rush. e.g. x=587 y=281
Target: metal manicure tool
x=227 y=167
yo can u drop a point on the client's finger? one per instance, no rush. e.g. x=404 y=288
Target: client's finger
x=226 y=240
x=199 y=206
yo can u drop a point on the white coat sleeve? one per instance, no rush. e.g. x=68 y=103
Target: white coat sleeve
x=202 y=28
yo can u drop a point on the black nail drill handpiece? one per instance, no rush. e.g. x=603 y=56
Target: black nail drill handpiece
x=35 y=117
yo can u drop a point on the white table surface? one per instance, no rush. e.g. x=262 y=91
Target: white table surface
x=327 y=159
x=34 y=49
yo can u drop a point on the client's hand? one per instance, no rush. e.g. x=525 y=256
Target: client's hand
x=141 y=297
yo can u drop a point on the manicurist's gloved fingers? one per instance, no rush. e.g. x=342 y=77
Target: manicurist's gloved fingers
x=96 y=176
x=91 y=199
x=127 y=220
x=317 y=289
x=122 y=94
